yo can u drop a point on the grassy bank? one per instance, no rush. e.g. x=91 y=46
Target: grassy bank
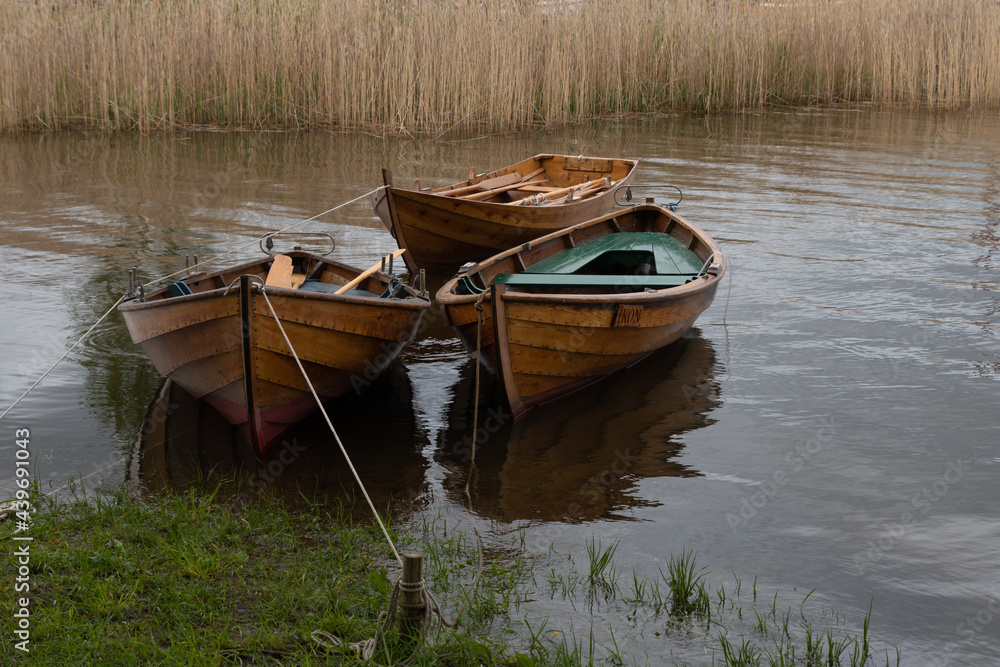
x=195 y=578
x=404 y=66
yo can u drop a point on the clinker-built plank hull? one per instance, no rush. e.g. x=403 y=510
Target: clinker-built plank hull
x=470 y=220
x=222 y=343
x=548 y=334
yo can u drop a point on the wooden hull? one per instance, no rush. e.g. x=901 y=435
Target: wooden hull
x=545 y=345
x=446 y=231
x=223 y=345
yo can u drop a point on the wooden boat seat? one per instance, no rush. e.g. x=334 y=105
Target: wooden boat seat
x=669 y=254
x=636 y=283
x=280 y=273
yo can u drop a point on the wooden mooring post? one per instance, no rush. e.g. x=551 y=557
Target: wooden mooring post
x=411 y=601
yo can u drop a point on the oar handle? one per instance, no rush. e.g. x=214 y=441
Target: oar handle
x=370 y=270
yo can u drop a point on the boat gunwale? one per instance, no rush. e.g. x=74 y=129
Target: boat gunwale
x=430 y=198
x=447 y=298
x=417 y=302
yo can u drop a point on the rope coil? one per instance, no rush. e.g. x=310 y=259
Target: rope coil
x=432 y=610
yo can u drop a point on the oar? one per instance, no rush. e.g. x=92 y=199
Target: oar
x=561 y=192
x=487 y=184
x=370 y=270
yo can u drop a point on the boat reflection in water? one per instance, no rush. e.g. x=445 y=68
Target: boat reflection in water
x=582 y=458
x=184 y=442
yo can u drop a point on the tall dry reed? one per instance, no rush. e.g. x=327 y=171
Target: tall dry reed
x=405 y=66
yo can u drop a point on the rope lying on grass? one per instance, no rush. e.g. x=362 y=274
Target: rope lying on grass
x=432 y=610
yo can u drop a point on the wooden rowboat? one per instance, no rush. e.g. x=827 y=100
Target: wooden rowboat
x=214 y=334
x=488 y=213
x=570 y=308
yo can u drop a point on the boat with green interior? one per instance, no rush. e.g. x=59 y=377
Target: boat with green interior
x=569 y=308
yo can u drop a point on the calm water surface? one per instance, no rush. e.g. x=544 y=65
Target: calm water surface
x=830 y=424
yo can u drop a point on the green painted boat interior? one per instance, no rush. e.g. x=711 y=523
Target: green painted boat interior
x=626 y=261
x=618 y=282
x=626 y=253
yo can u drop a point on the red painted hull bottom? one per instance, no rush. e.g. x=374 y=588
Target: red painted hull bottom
x=265 y=426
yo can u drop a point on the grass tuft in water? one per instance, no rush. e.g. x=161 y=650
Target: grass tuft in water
x=687 y=585
x=602 y=576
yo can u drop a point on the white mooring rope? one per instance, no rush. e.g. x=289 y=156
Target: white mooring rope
x=329 y=423
x=172 y=275
x=65 y=354
x=432 y=609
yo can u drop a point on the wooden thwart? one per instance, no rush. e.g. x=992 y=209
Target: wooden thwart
x=496 y=182
x=488 y=187
x=281 y=274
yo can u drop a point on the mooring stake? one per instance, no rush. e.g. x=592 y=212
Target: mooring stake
x=411 y=584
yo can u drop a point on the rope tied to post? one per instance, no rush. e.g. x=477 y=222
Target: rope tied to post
x=431 y=608
x=427 y=602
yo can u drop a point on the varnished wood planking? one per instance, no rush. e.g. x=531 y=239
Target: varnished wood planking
x=232 y=395
x=532 y=387
x=383 y=319
x=593 y=340
x=209 y=338
x=337 y=349
x=549 y=344
x=652 y=309
x=145 y=322
x=210 y=374
x=568 y=363
x=198 y=341
x=282 y=370
x=441 y=230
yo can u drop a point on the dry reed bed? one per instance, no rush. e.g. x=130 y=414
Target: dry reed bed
x=403 y=65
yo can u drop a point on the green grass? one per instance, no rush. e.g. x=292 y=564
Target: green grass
x=225 y=575
x=687 y=587
x=200 y=579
